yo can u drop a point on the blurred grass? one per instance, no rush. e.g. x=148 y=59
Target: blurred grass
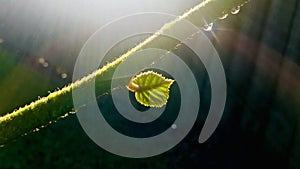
x=65 y=145
x=7 y=63
x=19 y=85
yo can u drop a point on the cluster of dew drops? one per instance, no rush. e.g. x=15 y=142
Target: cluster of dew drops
x=235 y=10
x=42 y=61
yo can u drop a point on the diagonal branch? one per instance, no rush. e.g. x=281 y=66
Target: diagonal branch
x=59 y=103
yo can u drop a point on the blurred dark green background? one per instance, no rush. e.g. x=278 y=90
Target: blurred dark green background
x=260 y=50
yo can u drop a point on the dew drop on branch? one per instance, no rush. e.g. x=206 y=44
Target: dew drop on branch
x=235 y=10
x=208 y=27
x=224 y=16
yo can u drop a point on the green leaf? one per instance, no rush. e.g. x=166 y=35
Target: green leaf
x=151 y=89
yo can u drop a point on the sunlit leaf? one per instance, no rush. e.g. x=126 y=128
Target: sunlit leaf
x=151 y=89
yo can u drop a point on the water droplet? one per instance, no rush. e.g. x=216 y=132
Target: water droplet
x=244 y=3
x=224 y=16
x=208 y=27
x=64 y=75
x=45 y=64
x=235 y=10
x=41 y=60
x=174 y=126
